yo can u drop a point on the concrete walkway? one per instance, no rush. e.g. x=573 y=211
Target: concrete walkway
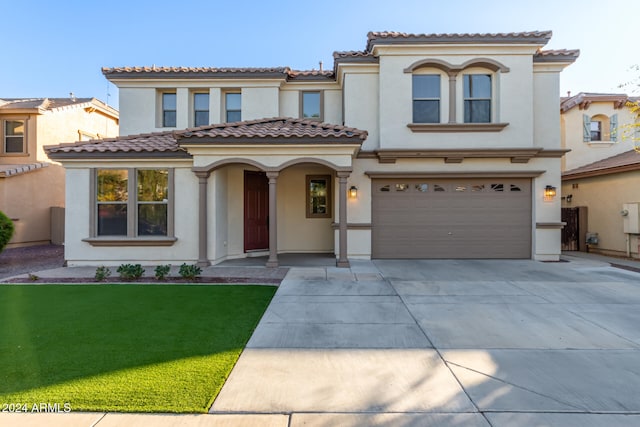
x=431 y=343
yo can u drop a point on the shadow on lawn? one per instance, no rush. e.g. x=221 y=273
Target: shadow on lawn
x=57 y=333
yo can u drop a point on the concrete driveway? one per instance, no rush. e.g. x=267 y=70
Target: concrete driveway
x=446 y=343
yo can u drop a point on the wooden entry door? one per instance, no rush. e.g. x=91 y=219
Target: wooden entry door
x=256 y=211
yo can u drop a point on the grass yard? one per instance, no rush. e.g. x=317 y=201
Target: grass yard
x=125 y=348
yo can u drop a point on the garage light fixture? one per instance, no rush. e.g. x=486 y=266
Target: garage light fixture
x=549 y=192
x=353 y=192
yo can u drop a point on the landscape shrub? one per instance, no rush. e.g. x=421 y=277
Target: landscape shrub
x=190 y=272
x=6 y=230
x=130 y=271
x=162 y=271
x=102 y=273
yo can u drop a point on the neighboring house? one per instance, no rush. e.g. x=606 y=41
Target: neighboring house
x=30 y=185
x=419 y=146
x=601 y=174
x=595 y=126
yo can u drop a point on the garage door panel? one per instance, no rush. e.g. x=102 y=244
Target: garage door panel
x=421 y=223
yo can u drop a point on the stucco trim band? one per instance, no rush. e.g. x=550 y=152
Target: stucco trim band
x=481 y=174
x=457 y=127
x=131 y=241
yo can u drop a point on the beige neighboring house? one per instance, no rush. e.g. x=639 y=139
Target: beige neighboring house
x=601 y=174
x=419 y=146
x=31 y=186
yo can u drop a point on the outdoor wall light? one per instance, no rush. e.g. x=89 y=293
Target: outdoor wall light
x=549 y=193
x=353 y=192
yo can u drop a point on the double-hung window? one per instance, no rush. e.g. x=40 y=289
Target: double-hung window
x=426 y=98
x=132 y=202
x=169 y=110
x=14 y=141
x=233 y=105
x=311 y=105
x=477 y=98
x=200 y=109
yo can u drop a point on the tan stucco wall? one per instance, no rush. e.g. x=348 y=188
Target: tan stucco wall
x=30 y=196
x=582 y=153
x=604 y=196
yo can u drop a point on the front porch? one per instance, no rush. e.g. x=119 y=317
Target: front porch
x=280 y=213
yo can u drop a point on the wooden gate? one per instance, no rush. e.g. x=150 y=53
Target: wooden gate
x=574 y=232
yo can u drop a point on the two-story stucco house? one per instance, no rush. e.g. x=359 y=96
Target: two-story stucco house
x=419 y=146
x=601 y=174
x=30 y=185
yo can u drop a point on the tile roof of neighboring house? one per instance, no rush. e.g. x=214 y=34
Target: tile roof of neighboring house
x=625 y=162
x=281 y=128
x=51 y=104
x=565 y=55
x=584 y=99
x=167 y=144
x=7 y=171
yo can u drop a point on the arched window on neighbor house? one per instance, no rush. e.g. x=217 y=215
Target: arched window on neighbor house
x=600 y=128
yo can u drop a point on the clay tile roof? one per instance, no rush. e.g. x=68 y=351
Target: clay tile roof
x=354 y=56
x=166 y=144
x=12 y=170
x=281 y=128
x=203 y=70
x=158 y=142
x=41 y=103
x=558 y=55
x=584 y=99
x=310 y=75
x=627 y=161
x=391 y=37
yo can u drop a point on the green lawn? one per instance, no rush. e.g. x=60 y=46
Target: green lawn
x=127 y=348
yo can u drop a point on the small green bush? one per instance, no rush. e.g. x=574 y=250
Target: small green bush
x=162 y=271
x=102 y=273
x=190 y=272
x=6 y=230
x=130 y=271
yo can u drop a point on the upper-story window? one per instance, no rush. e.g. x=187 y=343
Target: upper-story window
x=233 y=107
x=600 y=128
x=311 y=105
x=169 y=110
x=14 y=140
x=596 y=130
x=477 y=98
x=200 y=109
x=426 y=98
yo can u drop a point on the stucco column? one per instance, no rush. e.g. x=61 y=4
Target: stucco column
x=452 y=98
x=203 y=257
x=342 y=218
x=273 y=220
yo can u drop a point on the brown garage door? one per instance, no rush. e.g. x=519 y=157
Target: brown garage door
x=451 y=218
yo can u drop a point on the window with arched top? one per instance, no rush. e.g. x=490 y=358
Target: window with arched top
x=600 y=128
x=454 y=94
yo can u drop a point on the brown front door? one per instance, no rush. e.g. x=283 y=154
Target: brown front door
x=256 y=211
